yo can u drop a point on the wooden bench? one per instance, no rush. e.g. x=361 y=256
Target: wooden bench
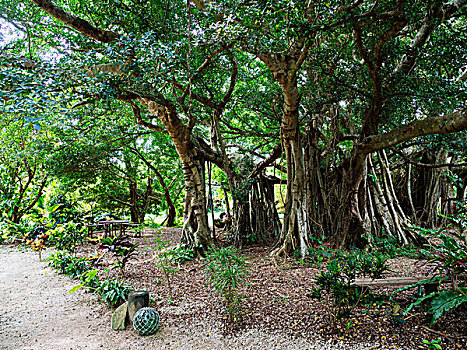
x=398 y=282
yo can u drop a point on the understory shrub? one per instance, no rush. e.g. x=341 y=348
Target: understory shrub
x=68 y=265
x=113 y=292
x=11 y=232
x=226 y=272
x=67 y=236
x=448 y=261
x=391 y=248
x=340 y=274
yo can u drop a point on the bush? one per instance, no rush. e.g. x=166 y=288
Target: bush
x=341 y=272
x=66 y=236
x=11 y=232
x=68 y=265
x=225 y=272
x=449 y=261
x=113 y=292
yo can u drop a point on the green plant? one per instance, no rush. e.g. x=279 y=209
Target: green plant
x=121 y=248
x=449 y=258
x=433 y=345
x=392 y=249
x=168 y=257
x=340 y=274
x=225 y=273
x=66 y=264
x=67 y=236
x=89 y=279
x=11 y=232
x=449 y=261
x=113 y=292
x=180 y=254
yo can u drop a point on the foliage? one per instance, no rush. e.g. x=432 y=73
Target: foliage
x=67 y=236
x=448 y=261
x=341 y=272
x=11 y=232
x=433 y=345
x=121 y=248
x=22 y=172
x=113 y=292
x=167 y=258
x=38 y=243
x=68 y=265
x=446 y=301
x=391 y=248
x=318 y=254
x=449 y=258
x=226 y=272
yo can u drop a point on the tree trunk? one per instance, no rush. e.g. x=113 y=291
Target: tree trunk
x=295 y=228
x=195 y=233
x=264 y=219
x=354 y=196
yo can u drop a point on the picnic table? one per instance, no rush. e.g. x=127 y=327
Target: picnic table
x=112 y=227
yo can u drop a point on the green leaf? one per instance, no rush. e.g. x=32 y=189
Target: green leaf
x=446 y=301
x=75 y=288
x=418 y=302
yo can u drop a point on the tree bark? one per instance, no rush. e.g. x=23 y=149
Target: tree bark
x=195 y=233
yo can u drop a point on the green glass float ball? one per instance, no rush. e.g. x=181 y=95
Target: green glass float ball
x=146 y=321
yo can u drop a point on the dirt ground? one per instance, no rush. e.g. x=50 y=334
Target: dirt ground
x=36 y=312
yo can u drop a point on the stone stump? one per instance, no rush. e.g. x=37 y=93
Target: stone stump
x=136 y=301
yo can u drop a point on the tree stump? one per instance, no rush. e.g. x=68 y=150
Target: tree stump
x=137 y=300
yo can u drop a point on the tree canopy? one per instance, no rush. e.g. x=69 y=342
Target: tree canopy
x=323 y=97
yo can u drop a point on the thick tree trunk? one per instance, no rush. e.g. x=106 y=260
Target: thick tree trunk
x=264 y=219
x=171 y=213
x=135 y=213
x=295 y=228
x=196 y=234
x=353 y=208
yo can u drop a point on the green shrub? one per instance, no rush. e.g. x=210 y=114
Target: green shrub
x=391 y=248
x=68 y=265
x=449 y=261
x=225 y=272
x=113 y=292
x=340 y=274
x=67 y=236
x=11 y=232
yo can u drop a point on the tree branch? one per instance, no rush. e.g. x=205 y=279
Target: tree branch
x=453 y=122
x=77 y=23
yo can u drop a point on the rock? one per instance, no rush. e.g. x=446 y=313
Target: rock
x=120 y=317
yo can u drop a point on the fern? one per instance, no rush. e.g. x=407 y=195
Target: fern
x=418 y=302
x=413 y=285
x=446 y=301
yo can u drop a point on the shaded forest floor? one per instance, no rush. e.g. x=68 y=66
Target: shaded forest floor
x=277 y=299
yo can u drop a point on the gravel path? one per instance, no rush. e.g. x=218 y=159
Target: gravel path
x=37 y=313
